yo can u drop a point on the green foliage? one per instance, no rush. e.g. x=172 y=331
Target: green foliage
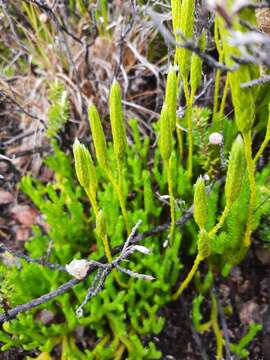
x=240 y=348
x=131 y=180
x=70 y=228
x=205 y=155
x=197 y=316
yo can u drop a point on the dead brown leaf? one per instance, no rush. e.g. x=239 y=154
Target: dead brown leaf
x=6 y=197
x=22 y=233
x=25 y=215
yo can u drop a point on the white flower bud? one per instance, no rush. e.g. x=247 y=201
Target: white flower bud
x=142 y=249
x=44 y=18
x=215 y=138
x=78 y=268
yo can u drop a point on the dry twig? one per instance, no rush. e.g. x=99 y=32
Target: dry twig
x=132 y=240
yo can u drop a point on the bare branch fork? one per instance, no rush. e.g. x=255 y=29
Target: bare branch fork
x=104 y=269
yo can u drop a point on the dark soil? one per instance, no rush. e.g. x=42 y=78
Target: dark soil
x=247 y=291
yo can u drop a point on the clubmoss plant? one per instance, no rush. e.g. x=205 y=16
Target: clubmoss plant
x=183 y=61
x=165 y=144
x=119 y=143
x=132 y=180
x=204 y=241
x=234 y=180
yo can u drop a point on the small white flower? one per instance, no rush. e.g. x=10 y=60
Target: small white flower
x=215 y=138
x=78 y=268
x=142 y=249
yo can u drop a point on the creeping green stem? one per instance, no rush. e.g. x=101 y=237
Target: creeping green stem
x=188 y=278
x=107 y=248
x=179 y=131
x=224 y=98
x=103 y=341
x=172 y=201
x=104 y=239
x=252 y=185
x=221 y=221
x=215 y=326
x=190 y=126
x=121 y=198
x=179 y=134
x=261 y=149
x=265 y=141
x=218 y=72
x=216 y=93
x=119 y=352
x=121 y=193
x=201 y=328
x=93 y=202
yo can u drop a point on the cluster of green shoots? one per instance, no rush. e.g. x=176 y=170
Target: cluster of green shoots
x=85 y=168
x=241 y=161
x=177 y=151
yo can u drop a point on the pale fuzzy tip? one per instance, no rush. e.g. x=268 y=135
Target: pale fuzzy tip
x=142 y=249
x=149 y=277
